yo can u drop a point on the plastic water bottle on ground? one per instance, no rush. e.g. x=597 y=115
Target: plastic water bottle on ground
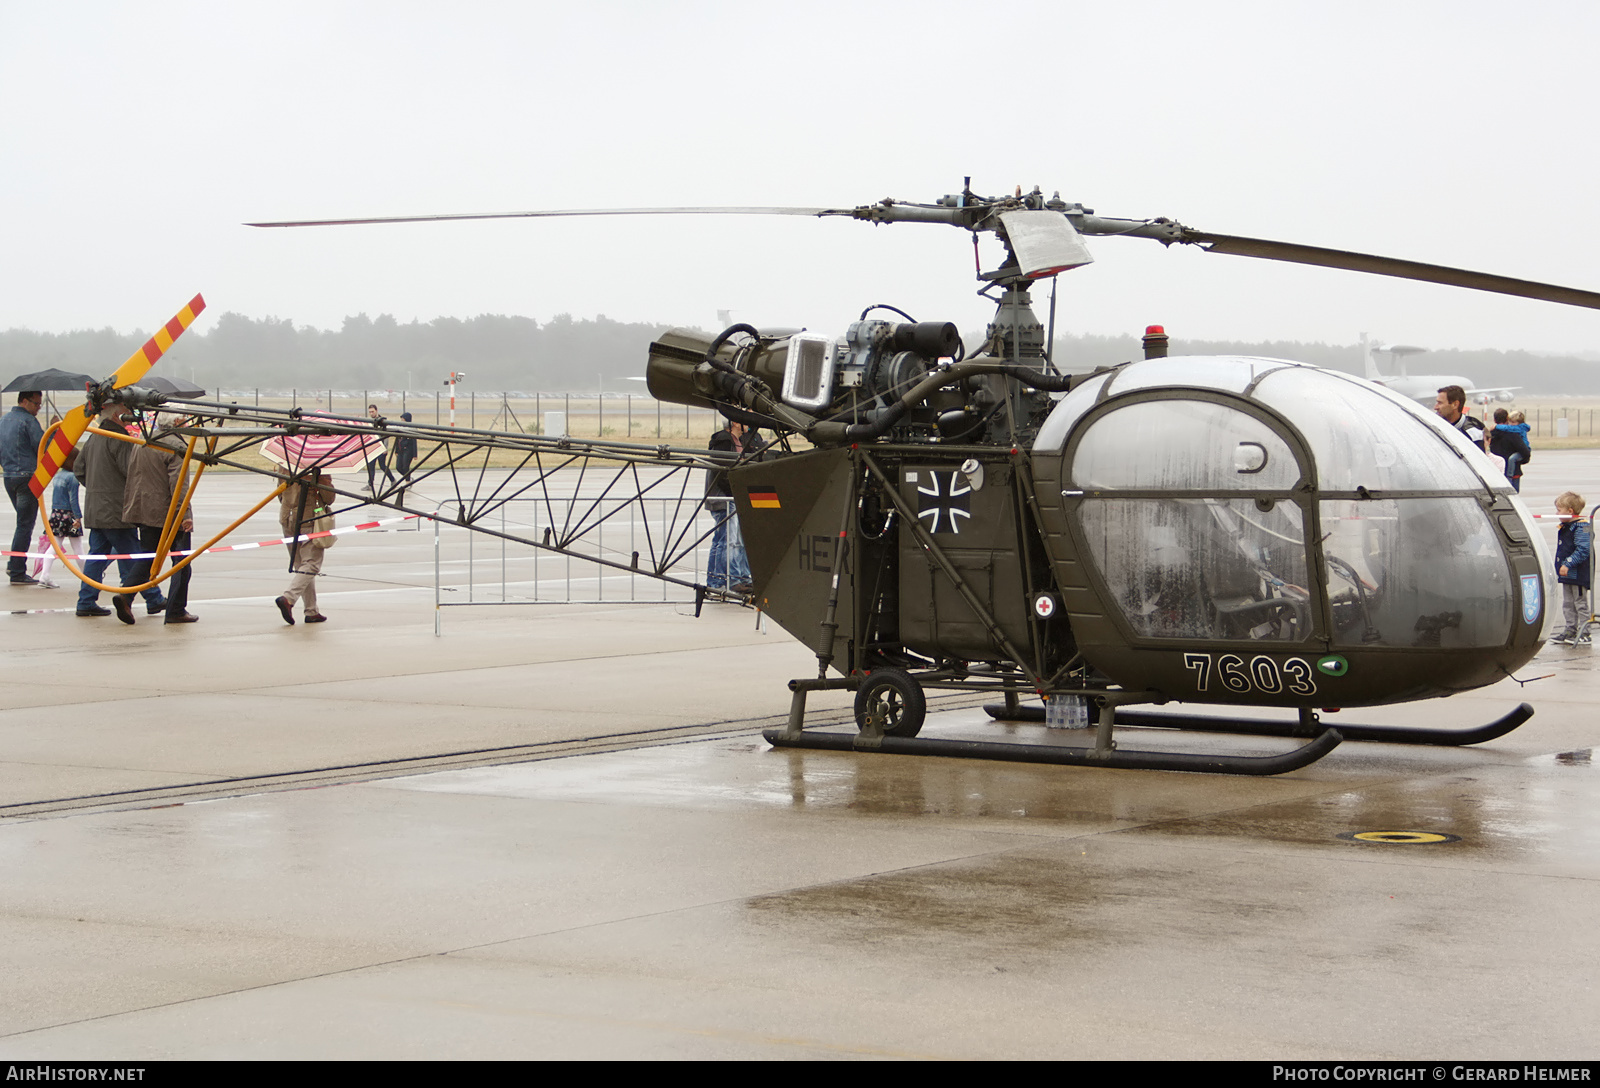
x=1066 y=712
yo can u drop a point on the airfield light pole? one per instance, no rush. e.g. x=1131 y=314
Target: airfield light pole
x=455 y=376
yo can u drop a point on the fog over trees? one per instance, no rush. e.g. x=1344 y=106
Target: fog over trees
x=501 y=352
x=496 y=351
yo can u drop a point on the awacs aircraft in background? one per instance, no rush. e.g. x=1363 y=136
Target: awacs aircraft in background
x=1421 y=387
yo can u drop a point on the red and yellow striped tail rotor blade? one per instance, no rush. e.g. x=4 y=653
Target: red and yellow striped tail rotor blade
x=75 y=422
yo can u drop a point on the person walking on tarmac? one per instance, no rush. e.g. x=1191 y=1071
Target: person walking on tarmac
x=298 y=508
x=102 y=468
x=405 y=452
x=379 y=463
x=152 y=476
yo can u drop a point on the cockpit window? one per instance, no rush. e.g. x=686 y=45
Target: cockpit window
x=1204 y=568
x=1427 y=573
x=1183 y=445
x=1362 y=439
x=1207 y=522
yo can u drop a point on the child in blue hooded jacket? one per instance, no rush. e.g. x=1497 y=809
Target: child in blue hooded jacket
x=1572 y=569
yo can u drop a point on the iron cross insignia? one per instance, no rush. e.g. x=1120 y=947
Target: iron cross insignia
x=943 y=501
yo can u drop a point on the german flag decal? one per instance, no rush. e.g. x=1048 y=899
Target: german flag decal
x=764 y=498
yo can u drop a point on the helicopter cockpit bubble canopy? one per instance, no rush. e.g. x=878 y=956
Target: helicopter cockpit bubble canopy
x=1266 y=504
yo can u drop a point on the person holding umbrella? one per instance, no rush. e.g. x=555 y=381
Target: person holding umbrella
x=307 y=457
x=299 y=507
x=19 y=453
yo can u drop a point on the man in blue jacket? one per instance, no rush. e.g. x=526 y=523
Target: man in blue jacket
x=19 y=453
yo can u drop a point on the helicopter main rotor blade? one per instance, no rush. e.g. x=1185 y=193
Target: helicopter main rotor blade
x=1388 y=266
x=974 y=217
x=555 y=214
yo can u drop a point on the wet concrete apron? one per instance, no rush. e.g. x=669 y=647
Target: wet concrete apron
x=713 y=897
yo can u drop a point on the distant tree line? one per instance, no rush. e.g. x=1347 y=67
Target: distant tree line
x=496 y=351
x=501 y=352
x=1548 y=375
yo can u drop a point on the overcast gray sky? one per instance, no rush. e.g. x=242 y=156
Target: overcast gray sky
x=137 y=138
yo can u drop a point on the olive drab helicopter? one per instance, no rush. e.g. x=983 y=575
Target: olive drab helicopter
x=1227 y=530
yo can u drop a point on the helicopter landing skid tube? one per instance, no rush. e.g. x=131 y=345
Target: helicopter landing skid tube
x=1049 y=753
x=1389 y=734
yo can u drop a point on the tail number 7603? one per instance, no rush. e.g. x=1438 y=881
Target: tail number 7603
x=1261 y=674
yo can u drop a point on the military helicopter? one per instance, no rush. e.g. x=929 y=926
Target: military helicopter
x=1240 y=531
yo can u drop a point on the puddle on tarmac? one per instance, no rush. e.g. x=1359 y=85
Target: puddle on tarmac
x=1538 y=811
x=1060 y=895
x=1529 y=807
x=749 y=774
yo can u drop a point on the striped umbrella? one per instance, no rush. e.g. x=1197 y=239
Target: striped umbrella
x=323 y=450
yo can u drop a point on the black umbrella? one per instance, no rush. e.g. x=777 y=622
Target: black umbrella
x=172 y=387
x=48 y=379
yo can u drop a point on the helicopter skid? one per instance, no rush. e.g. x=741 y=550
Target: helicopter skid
x=1257 y=727
x=1047 y=753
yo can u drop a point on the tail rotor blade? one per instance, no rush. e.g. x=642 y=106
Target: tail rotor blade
x=75 y=422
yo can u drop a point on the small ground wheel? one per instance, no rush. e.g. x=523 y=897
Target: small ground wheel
x=890 y=702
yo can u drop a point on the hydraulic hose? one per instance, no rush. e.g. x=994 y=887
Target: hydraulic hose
x=748 y=392
x=836 y=433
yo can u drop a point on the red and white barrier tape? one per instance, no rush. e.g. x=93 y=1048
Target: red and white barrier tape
x=357 y=528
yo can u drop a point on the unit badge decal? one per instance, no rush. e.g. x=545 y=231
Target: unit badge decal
x=1532 y=591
